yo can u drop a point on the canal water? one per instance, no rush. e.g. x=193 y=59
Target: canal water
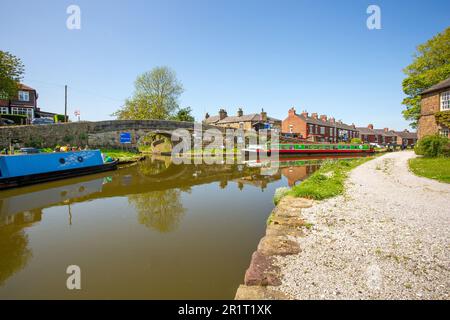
x=153 y=230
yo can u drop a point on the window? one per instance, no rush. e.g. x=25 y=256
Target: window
x=444 y=132
x=25 y=111
x=322 y=130
x=24 y=96
x=291 y=128
x=311 y=129
x=445 y=101
x=4 y=110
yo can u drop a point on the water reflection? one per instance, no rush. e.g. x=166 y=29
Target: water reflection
x=161 y=210
x=209 y=200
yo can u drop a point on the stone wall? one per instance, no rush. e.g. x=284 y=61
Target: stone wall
x=94 y=134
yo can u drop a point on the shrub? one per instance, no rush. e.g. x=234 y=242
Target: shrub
x=356 y=141
x=433 y=146
x=17 y=118
x=59 y=118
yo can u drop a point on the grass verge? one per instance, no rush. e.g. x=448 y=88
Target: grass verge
x=328 y=181
x=433 y=168
x=123 y=156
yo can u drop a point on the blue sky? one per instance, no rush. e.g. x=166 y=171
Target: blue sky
x=313 y=55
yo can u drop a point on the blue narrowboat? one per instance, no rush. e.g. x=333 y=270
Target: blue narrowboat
x=26 y=169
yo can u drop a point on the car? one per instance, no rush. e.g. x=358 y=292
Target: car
x=6 y=122
x=376 y=145
x=41 y=121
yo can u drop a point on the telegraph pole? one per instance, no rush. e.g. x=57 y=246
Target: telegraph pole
x=65 y=103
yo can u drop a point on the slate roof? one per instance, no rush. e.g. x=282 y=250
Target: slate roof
x=328 y=123
x=406 y=134
x=233 y=119
x=440 y=86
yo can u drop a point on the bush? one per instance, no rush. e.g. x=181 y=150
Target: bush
x=356 y=141
x=59 y=118
x=17 y=118
x=433 y=146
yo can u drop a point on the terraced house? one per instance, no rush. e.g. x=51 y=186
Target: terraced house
x=435 y=110
x=251 y=121
x=315 y=128
x=381 y=136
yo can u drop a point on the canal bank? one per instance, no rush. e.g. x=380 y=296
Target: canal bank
x=386 y=237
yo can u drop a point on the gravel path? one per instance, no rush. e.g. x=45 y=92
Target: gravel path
x=388 y=237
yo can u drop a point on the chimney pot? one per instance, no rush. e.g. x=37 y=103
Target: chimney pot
x=324 y=118
x=370 y=126
x=314 y=115
x=240 y=113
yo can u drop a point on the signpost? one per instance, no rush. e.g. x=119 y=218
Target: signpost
x=125 y=139
x=77 y=113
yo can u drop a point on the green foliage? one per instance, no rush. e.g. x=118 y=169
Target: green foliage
x=155 y=97
x=431 y=65
x=433 y=146
x=11 y=73
x=122 y=155
x=433 y=168
x=443 y=117
x=68 y=138
x=356 y=141
x=328 y=181
x=17 y=118
x=279 y=194
x=184 y=114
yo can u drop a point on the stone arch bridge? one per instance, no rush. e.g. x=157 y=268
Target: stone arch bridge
x=105 y=134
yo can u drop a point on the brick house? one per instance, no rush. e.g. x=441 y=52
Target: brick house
x=434 y=99
x=255 y=121
x=406 y=138
x=24 y=104
x=315 y=128
x=381 y=136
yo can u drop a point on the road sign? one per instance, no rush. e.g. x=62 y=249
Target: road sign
x=77 y=113
x=125 y=137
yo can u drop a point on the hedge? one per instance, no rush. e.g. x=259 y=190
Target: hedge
x=17 y=118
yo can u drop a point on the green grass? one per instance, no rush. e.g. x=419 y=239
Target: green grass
x=328 y=181
x=433 y=168
x=123 y=156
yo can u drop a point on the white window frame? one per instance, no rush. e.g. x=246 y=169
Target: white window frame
x=29 y=112
x=445 y=101
x=444 y=132
x=24 y=96
x=4 y=110
x=322 y=130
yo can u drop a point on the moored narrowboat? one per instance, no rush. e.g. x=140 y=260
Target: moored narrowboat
x=294 y=149
x=26 y=169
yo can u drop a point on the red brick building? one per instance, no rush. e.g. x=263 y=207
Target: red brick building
x=406 y=138
x=380 y=136
x=315 y=128
x=435 y=99
x=24 y=104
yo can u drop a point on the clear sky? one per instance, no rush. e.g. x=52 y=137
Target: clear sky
x=311 y=54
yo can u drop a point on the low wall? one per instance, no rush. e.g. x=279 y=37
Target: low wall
x=94 y=134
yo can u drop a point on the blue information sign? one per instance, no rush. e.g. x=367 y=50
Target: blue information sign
x=125 y=137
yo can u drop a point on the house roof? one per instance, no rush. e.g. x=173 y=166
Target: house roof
x=440 y=86
x=406 y=134
x=328 y=123
x=378 y=132
x=234 y=119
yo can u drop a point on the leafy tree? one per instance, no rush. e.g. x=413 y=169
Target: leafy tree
x=155 y=97
x=431 y=65
x=184 y=114
x=11 y=73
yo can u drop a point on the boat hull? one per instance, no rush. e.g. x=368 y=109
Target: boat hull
x=15 y=182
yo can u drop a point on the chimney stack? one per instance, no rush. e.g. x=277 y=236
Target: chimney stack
x=222 y=114
x=324 y=118
x=332 y=120
x=315 y=116
x=263 y=115
x=207 y=115
x=240 y=113
x=291 y=111
x=305 y=114
x=386 y=129
x=370 y=126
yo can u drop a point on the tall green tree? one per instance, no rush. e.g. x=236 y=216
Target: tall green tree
x=431 y=65
x=155 y=97
x=11 y=73
x=184 y=114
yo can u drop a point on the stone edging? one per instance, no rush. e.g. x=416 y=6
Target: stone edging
x=285 y=224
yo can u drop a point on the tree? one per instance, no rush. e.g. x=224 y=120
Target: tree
x=155 y=96
x=184 y=114
x=11 y=73
x=431 y=65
